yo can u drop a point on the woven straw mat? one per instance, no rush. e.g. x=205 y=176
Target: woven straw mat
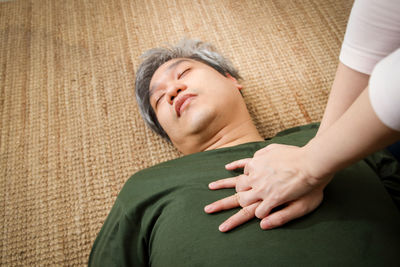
x=70 y=131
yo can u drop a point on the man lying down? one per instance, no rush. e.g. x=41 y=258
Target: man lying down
x=190 y=95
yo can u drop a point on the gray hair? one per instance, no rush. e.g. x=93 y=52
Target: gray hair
x=154 y=58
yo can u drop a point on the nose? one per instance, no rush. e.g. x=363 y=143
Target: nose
x=173 y=90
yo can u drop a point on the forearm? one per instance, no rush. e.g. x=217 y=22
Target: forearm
x=347 y=86
x=356 y=134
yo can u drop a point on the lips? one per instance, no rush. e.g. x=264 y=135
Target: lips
x=182 y=102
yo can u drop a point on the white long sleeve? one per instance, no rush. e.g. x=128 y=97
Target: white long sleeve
x=372 y=33
x=371 y=46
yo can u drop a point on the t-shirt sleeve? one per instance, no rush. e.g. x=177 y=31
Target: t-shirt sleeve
x=384 y=90
x=121 y=241
x=373 y=32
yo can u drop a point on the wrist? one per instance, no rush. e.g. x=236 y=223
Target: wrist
x=316 y=162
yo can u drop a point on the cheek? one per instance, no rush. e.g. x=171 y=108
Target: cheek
x=161 y=116
x=164 y=117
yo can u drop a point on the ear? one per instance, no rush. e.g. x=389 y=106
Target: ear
x=236 y=83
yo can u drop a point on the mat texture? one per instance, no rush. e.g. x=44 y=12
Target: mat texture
x=70 y=131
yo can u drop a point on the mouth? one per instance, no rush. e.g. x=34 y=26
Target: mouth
x=182 y=102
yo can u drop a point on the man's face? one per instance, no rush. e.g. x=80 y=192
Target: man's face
x=190 y=97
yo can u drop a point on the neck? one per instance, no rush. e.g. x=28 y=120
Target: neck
x=237 y=134
x=231 y=135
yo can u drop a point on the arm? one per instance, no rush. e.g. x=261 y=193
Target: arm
x=358 y=133
x=347 y=86
x=371 y=123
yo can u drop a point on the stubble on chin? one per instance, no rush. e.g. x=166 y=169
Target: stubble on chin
x=198 y=121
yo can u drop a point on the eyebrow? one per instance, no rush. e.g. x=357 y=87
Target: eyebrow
x=169 y=69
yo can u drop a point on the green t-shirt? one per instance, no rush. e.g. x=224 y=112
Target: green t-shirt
x=158 y=218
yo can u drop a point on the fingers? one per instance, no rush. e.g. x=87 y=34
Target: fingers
x=231 y=182
x=235 y=220
x=242 y=183
x=283 y=216
x=294 y=210
x=242 y=199
x=223 y=204
x=238 y=182
x=238 y=218
x=265 y=208
x=246 y=198
x=241 y=163
x=223 y=183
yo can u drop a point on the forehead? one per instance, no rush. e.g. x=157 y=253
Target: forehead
x=172 y=63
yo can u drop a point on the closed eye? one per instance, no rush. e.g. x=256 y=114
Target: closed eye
x=158 y=100
x=183 y=73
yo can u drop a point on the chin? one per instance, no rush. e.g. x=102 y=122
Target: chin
x=199 y=121
x=193 y=122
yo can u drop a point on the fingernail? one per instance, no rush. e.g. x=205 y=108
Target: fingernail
x=208 y=208
x=212 y=185
x=265 y=224
x=223 y=227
